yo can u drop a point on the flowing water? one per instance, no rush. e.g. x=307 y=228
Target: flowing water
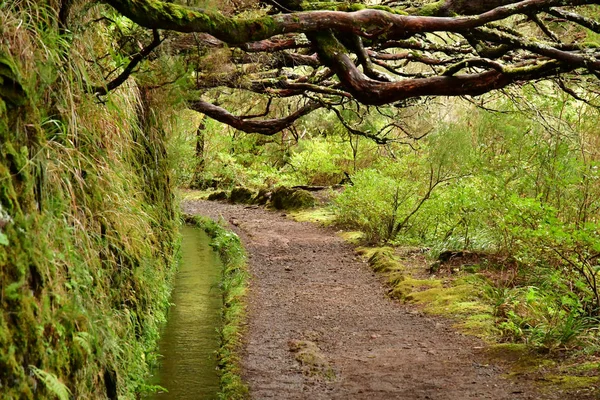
x=189 y=340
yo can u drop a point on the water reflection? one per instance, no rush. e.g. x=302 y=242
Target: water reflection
x=189 y=340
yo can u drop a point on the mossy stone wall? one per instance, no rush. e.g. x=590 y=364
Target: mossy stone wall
x=87 y=222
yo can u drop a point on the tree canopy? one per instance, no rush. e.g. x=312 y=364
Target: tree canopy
x=330 y=54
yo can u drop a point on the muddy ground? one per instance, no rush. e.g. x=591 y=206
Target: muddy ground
x=321 y=327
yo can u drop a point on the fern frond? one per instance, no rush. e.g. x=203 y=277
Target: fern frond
x=53 y=384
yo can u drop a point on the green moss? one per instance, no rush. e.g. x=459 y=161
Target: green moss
x=513 y=352
x=321 y=215
x=311 y=359
x=429 y=10
x=418 y=291
x=525 y=361
x=283 y=198
x=481 y=325
x=521 y=358
x=571 y=382
x=164 y=15
x=381 y=259
x=195 y=194
x=460 y=299
x=241 y=195
x=353 y=237
x=347 y=7
x=584 y=367
x=219 y=195
x=588 y=45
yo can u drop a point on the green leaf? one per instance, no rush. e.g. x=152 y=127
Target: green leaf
x=53 y=384
x=3 y=239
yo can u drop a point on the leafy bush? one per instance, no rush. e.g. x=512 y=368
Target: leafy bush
x=320 y=162
x=369 y=203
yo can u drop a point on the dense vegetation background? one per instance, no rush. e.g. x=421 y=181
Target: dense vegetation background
x=87 y=213
x=519 y=184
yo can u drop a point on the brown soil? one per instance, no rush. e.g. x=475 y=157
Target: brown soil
x=313 y=301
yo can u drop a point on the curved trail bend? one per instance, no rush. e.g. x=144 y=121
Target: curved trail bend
x=309 y=292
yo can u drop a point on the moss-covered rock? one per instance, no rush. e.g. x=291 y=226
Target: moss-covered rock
x=216 y=196
x=284 y=198
x=204 y=184
x=262 y=197
x=382 y=259
x=311 y=359
x=241 y=195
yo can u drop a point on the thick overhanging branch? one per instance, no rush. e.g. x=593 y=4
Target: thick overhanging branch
x=429 y=53
x=369 y=91
x=266 y=127
x=369 y=23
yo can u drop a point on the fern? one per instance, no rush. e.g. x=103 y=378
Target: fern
x=82 y=339
x=53 y=384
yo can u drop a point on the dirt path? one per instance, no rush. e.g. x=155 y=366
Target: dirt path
x=311 y=300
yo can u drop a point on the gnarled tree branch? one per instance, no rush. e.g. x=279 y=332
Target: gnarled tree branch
x=266 y=127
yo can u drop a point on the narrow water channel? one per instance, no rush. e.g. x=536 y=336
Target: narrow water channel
x=189 y=340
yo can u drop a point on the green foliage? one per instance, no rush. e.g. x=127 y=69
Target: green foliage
x=320 y=162
x=182 y=147
x=87 y=219
x=384 y=201
x=318 y=156
x=241 y=160
x=548 y=316
x=368 y=204
x=54 y=385
x=522 y=184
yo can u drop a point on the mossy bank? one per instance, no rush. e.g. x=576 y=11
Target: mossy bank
x=88 y=227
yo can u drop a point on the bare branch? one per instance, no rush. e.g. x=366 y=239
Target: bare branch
x=128 y=70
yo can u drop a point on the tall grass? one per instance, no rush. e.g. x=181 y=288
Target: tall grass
x=88 y=222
